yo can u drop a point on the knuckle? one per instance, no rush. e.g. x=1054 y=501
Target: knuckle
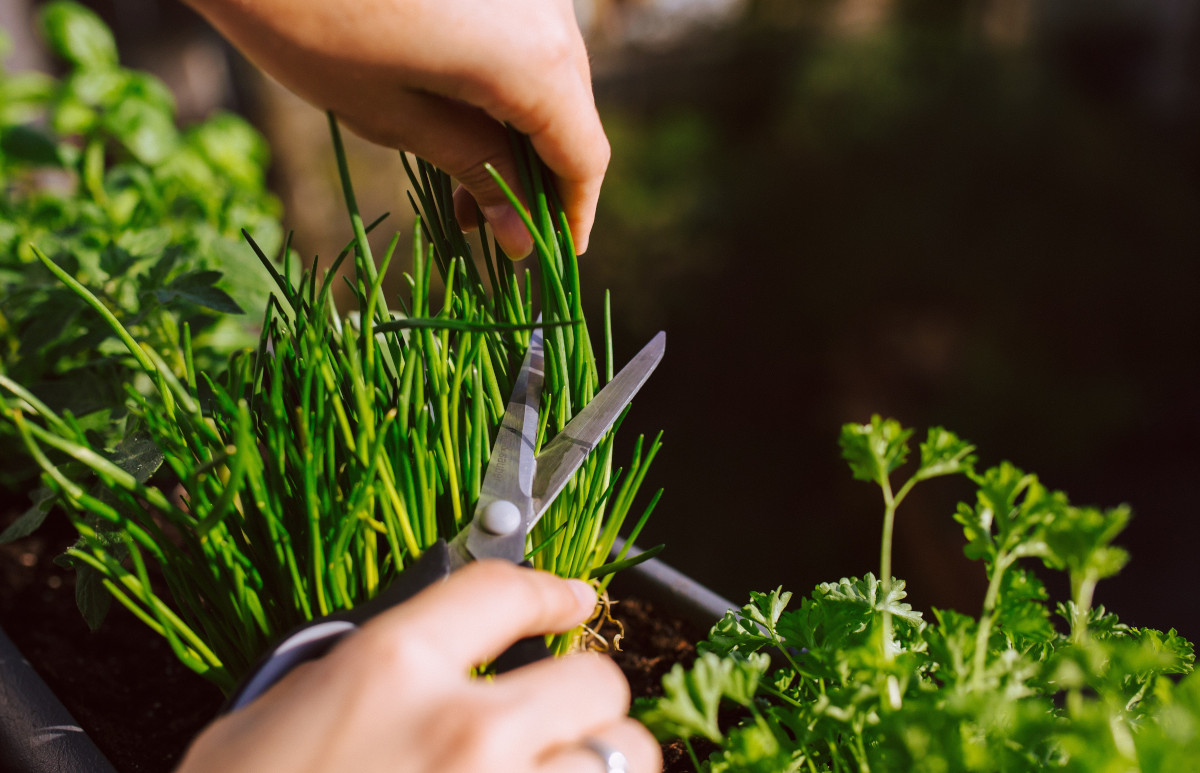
x=604 y=676
x=482 y=733
x=474 y=175
x=389 y=651
x=557 y=50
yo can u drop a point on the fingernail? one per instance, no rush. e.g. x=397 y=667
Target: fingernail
x=509 y=230
x=584 y=592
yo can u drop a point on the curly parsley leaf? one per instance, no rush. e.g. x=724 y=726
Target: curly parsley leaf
x=944 y=453
x=875 y=449
x=692 y=697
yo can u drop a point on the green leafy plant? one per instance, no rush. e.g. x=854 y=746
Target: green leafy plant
x=855 y=679
x=95 y=174
x=329 y=456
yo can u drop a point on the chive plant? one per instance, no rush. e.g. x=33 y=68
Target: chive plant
x=317 y=465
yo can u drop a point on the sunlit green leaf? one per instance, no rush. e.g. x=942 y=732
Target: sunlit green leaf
x=78 y=35
x=874 y=450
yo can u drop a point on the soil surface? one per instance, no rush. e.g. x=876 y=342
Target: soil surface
x=142 y=707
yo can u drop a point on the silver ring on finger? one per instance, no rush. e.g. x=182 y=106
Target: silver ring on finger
x=614 y=761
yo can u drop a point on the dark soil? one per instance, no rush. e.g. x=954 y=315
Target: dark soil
x=121 y=682
x=142 y=707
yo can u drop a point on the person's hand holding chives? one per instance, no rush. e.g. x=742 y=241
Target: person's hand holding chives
x=397 y=695
x=440 y=78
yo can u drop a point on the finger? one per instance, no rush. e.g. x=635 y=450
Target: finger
x=565 y=697
x=480 y=611
x=566 y=132
x=507 y=225
x=461 y=140
x=546 y=93
x=627 y=736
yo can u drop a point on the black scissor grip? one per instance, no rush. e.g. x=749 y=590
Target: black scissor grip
x=531 y=649
x=313 y=640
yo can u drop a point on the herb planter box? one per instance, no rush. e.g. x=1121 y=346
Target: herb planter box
x=39 y=735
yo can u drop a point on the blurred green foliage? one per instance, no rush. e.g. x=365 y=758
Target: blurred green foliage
x=95 y=174
x=914 y=217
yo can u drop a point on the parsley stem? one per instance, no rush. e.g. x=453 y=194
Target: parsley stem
x=891 y=504
x=987 y=618
x=885 y=563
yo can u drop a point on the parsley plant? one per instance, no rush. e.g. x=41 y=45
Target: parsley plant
x=854 y=679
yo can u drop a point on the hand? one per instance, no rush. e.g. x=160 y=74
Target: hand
x=396 y=695
x=439 y=78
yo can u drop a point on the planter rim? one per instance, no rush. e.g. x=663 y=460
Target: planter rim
x=39 y=735
x=674 y=591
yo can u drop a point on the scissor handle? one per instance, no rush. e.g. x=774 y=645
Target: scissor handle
x=531 y=649
x=315 y=639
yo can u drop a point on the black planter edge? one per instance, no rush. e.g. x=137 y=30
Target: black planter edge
x=672 y=591
x=38 y=734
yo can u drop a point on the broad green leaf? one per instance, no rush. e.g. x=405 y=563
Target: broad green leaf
x=32 y=519
x=74 y=116
x=689 y=704
x=29 y=145
x=138 y=455
x=24 y=97
x=116 y=261
x=78 y=35
x=741 y=684
x=198 y=287
x=146 y=131
x=92 y=598
x=101 y=89
x=47 y=320
x=233 y=149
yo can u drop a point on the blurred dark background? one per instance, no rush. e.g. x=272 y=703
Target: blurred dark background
x=981 y=214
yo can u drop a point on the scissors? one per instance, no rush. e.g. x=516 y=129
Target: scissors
x=517 y=489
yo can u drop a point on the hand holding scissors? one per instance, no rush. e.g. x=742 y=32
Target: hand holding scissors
x=574 y=707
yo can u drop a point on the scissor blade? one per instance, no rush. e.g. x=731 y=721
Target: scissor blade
x=563 y=455
x=510 y=470
x=511 y=465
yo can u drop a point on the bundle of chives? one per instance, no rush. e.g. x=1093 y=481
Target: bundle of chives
x=327 y=459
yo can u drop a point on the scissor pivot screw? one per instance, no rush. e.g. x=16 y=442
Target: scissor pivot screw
x=501 y=517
